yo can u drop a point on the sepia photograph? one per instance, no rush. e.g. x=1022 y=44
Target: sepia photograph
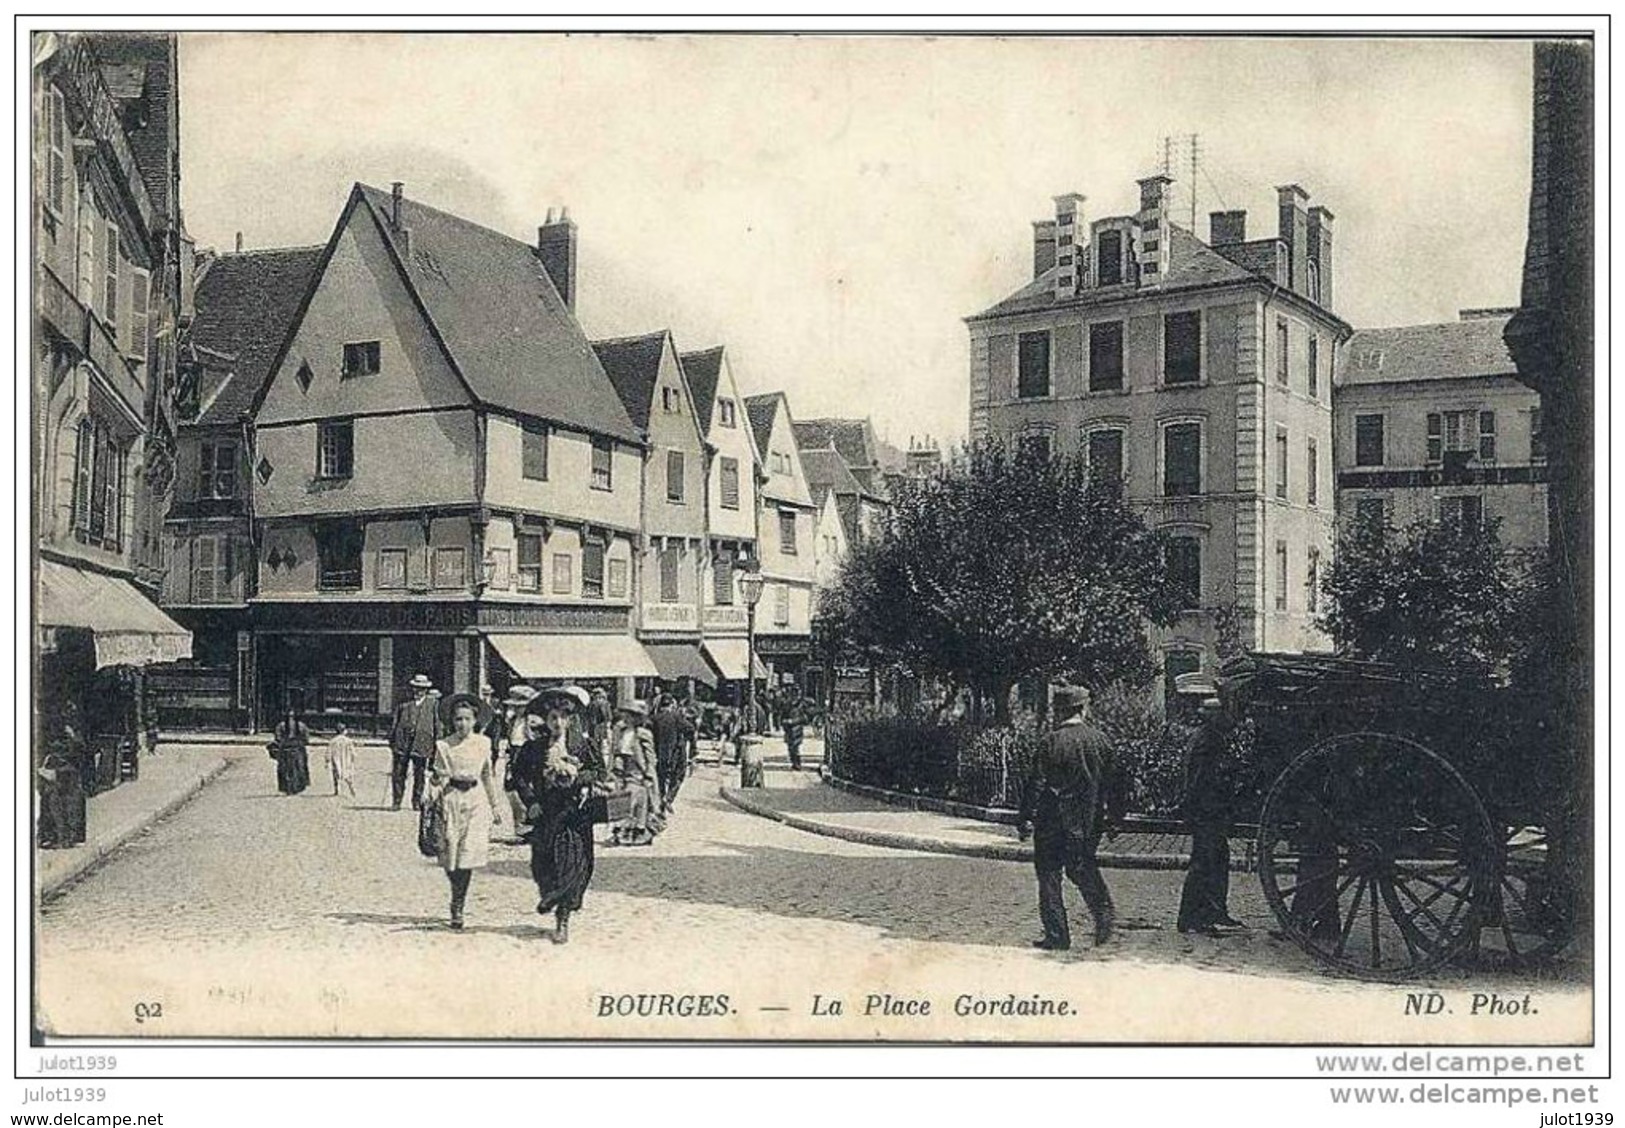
x=981 y=539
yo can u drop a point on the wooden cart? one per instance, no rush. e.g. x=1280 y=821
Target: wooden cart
x=1407 y=817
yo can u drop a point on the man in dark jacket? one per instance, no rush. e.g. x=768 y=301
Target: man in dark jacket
x=672 y=730
x=793 y=715
x=1203 y=905
x=1061 y=810
x=411 y=741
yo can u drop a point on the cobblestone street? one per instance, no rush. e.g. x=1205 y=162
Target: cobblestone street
x=247 y=913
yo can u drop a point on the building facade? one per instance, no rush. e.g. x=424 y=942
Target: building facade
x=109 y=295
x=443 y=477
x=1432 y=422
x=733 y=494
x=1196 y=375
x=672 y=557
x=785 y=542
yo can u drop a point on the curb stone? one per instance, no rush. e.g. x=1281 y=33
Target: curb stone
x=105 y=847
x=898 y=840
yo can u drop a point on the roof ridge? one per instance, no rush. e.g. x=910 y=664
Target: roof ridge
x=303 y=248
x=1434 y=324
x=454 y=217
x=630 y=337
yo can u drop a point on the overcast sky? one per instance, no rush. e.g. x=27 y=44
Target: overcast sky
x=831 y=208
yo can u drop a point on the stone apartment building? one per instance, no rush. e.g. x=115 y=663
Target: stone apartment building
x=785 y=541
x=1197 y=375
x=1432 y=421
x=109 y=294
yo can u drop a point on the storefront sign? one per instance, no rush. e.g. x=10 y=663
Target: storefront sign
x=786 y=645
x=724 y=617
x=670 y=616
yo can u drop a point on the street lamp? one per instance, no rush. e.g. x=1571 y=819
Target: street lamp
x=750 y=587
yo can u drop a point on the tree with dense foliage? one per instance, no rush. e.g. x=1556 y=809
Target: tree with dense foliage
x=1002 y=567
x=1444 y=593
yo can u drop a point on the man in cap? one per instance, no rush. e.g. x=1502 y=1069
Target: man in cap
x=412 y=740
x=1061 y=810
x=672 y=729
x=1203 y=902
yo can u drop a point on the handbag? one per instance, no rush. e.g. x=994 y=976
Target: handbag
x=612 y=808
x=431 y=828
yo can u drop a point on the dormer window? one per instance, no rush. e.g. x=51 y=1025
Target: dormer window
x=670 y=401
x=725 y=412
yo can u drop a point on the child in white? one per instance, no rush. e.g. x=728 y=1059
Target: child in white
x=341 y=759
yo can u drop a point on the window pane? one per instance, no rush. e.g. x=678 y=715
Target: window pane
x=730 y=483
x=534 y=451
x=722 y=579
x=1368 y=440
x=391 y=568
x=603 y=454
x=1182 y=347
x=528 y=554
x=1314 y=367
x=1486 y=435
x=1106 y=357
x=787 y=532
x=1106 y=457
x=1185 y=570
x=1182 y=459
x=668 y=575
x=563 y=574
x=1282 y=356
x=592 y=571
x=674 y=475
x=450 y=568
x=1280 y=575
x=1280 y=463
x=1033 y=358
x=618 y=571
x=1311 y=473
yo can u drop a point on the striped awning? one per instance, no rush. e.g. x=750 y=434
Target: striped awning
x=127 y=627
x=732 y=657
x=677 y=660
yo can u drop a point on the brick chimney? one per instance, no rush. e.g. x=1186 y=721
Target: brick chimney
x=403 y=235
x=1043 y=246
x=1151 y=228
x=1320 y=254
x=1069 y=257
x=1294 y=232
x=556 y=247
x=1226 y=228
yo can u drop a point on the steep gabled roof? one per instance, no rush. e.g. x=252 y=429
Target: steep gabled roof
x=1191 y=263
x=826 y=471
x=246 y=304
x=633 y=366
x=1450 y=350
x=761 y=410
x=134 y=66
x=704 y=372
x=502 y=322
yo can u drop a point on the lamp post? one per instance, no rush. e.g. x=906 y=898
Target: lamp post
x=750 y=587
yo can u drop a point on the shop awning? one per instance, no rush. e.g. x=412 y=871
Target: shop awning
x=731 y=656
x=556 y=656
x=128 y=628
x=677 y=660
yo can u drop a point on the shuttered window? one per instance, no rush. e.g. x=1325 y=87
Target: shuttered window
x=1368 y=440
x=1033 y=363
x=1185 y=570
x=674 y=476
x=110 y=269
x=603 y=464
x=730 y=483
x=781 y=605
x=138 y=332
x=1106 y=357
x=1106 y=457
x=592 y=570
x=1182 y=347
x=56 y=171
x=722 y=580
x=669 y=561
x=787 y=532
x=528 y=556
x=1181 y=459
x=533 y=451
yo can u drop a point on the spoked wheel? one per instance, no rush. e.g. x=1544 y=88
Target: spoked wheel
x=1531 y=916
x=1376 y=856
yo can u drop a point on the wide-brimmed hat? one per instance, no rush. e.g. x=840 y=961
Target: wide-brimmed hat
x=634 y=706
x=551 y=696
x=519 y=695
x=421 y=681
x=1069 y=697
x=1196 y=684
x=450 y=705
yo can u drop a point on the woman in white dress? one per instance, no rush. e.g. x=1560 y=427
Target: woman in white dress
x=461 y=782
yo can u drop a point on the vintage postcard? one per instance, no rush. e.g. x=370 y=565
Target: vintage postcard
x=1031 y=540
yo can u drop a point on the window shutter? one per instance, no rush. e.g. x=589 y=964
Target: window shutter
x=110 y=276
x=139 y=332
x=84 y=466
x=88 y=273
x=204 y=565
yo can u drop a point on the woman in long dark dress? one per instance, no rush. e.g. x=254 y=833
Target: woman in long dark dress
x=290 y=749
x=554 y=773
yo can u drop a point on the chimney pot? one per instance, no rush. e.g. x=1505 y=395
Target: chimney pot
x=239 y=242
x=556 y=247
x=564 y=214
x=396 y=190
x=1226 y=228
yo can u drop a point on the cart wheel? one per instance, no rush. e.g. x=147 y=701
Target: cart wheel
x=1531 y=917
x=1376 y=856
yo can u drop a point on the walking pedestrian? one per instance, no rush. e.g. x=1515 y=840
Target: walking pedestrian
x=1204 y=901
x=62 y=792
x=672 y=731
x=635 y=763
x=520 y=726
x=412 y=741
x=560 y=767
x=341 y=760
x=600 y=720
x=462 y=784
x=1061 y=810
x=290 y=748
x=793 y=716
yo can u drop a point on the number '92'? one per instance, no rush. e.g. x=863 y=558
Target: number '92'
x=145 y=1011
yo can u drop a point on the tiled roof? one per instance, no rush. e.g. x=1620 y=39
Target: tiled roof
x=633 y=366
x=1191 y=262
x=508 y=331
x=1452 y=350
x=761 y=409
x=246 y=304
x=122 y=55
x=854 y=438
x=826 y=470
x=704 y=372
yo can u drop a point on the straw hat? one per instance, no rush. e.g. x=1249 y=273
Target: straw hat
x=421 y=681
x=450 y=705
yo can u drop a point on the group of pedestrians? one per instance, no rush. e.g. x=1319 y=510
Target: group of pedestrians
x=651 y=757
x=1063 y=811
